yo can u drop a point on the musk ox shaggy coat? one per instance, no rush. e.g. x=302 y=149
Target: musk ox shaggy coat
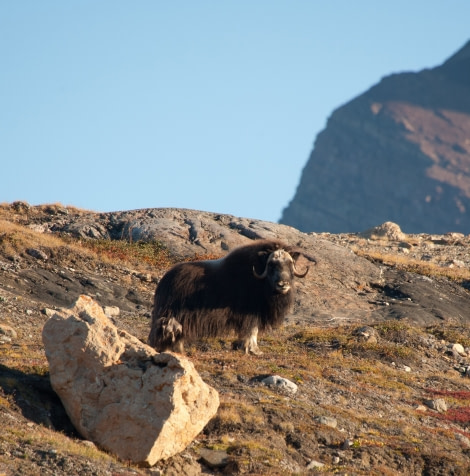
x=250 y=289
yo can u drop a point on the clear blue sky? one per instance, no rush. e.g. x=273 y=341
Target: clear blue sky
x=209 y=105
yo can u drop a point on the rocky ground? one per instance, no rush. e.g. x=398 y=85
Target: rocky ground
x=378 y=345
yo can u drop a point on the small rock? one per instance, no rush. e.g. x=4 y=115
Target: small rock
x=154 y=472
x=454 y=235
x=458 y=349
x=347 y=444
x=37 y=227
x=420 y=408
x=48 y=312
x=146 y=277
x=20 y=207
x=88 y=443
x=366 y=334
x=111 y=311
x=464 y=441
x=404 y=245
x=315 y=464
x=438 y=404
x=457 y=264
x=38 y=254
x=281 y=384
x=7 y=332
x=328 y=421
x=388 y=230
x=214 y=459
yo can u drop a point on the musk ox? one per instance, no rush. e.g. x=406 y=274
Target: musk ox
x=249 y=290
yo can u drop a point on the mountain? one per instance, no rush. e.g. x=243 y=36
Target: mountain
x=399 y=152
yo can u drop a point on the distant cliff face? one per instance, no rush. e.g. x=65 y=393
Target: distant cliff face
x=399 y=152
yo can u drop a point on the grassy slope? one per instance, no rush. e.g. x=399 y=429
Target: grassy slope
x=381 y=426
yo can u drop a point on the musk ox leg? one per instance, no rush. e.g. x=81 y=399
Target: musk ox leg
x=167 y=334
x=250 y=343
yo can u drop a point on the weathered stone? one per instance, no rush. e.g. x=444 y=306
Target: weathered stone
x=36 y=253
x=214 y=458
x=120 y=393
x=347 y=444
x=386 y=231
x=111 y=311
x=281 y=384
x=315 y=465
x=7 y=332
x=463 y=440
x=328 y=421
x=438 y=404
x=20 y=206
x=366 y=334
x=458 y=349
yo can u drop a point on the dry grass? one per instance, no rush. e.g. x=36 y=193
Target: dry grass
x=38 y=435
x=16 y=239
x=449 y=333
x=373 y=401
x=406 y=263
x=138 y=254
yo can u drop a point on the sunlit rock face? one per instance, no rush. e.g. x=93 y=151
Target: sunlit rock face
x=121 y=394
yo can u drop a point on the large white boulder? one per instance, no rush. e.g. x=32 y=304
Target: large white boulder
x=120 y=393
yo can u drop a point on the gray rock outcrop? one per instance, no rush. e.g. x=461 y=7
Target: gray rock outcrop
x=118 y=392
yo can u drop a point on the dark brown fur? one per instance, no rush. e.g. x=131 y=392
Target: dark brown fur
x=212 y=298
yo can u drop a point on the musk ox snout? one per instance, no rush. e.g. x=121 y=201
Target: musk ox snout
x=281 y=281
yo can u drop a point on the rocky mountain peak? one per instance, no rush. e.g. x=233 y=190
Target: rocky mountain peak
x=398 y=152
x=462 y=55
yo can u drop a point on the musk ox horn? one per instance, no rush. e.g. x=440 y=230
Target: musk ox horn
x=296 y=273
x=265 y=272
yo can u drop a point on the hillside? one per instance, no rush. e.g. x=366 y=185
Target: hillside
x=398 y=152
x=372 y=344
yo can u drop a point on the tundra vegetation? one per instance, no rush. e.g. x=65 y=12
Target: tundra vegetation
x=361 y=407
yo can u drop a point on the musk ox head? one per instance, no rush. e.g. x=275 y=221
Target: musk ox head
x=169 y=333
x=279 y=271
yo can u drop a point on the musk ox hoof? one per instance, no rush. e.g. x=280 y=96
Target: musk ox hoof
x=249 y=342
x=254 y=351
x=241 y=345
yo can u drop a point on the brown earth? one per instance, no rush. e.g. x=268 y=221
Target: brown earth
x=361 y=401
